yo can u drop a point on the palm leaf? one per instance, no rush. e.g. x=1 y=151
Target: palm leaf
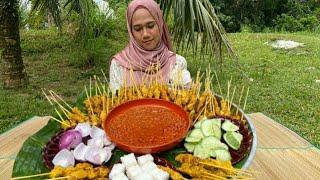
x=29 y=160
x=197 y=26
x=52 y=6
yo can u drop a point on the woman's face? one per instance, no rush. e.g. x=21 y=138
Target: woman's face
x=145 y=29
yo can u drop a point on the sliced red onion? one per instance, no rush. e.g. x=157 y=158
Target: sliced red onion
x=110 y=147
x=84 y=129
x=96 y=132
x=80 y=151
x=64 y=158
x=106 y=141
x=96 y=155
x=96 y=142
x=70 y=139
x=109 y=154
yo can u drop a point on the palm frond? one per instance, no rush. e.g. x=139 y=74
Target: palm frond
x=196 y=25
x=51 y=6
x=84 y=9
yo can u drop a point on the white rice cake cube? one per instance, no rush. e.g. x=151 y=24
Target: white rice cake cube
x=129 y=160
x=117 y=169
x=143 y=176
x=149 y=166
x=145 y=158
x=159 y=174
x=133 y=171
x=120 y=176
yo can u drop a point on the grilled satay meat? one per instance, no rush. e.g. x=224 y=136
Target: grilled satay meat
x=80 y=171
x=157 y=92
x=185 y=97
x=174 y=175
x=144 y=91
x=76 y=115
x=224 y=108
x=195 y=171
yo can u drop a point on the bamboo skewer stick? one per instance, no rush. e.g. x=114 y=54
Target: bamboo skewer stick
x=218 y=82
x=90 y=88
x=226 y=168
x=97 y=85
x=47 y=97
x=62 y=107
x=30 y=176
x=61 y=122
x=234 y=90
x=58 y=113
x=240 y=100
x=196 y=119
x=60 y=98
x=245 y=103
x=213 y=175
x=85 y=88
x=104 y=75
x=103 y=85
x=65 y=177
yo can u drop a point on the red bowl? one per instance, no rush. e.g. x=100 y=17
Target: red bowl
x=145 y=126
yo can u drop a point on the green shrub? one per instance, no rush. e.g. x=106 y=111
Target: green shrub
x=309 y=23
x=286 y=22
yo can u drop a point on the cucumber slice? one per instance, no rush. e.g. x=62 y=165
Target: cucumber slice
x=210 y=142
x=190 y=146
x=206 y=128
x=233 y=139
x=216 y=121
x=197 y=133
x=201 y=152
x=198 y=124
x=222 y=155
x=229 y=126
x=218 y=146
x=216 y=131
x=193 y=139
x=213 y=153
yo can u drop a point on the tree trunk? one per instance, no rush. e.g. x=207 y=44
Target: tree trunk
x=12 y=69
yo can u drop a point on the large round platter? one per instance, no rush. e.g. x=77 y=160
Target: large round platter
x=147 y=125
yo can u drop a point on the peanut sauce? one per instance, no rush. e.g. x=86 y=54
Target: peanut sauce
x=145 y=126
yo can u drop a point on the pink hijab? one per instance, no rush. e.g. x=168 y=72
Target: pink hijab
x=140 y=60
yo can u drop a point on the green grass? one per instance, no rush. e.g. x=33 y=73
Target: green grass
x=284 y=81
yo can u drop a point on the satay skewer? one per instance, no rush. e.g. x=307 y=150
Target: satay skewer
x=31 y=176
x=239 y=100
x=59 y=97
x=103 y=85
x=90 y=88
x=97 y=85
x=64 y=110
x=85 y=88
x=104 y=75
x=47 y=97
x=226 y=168
x=61 y=122
x=218 y=82
x=57 y=102
x=213 y=176
x=245 y=103
x=230 y=104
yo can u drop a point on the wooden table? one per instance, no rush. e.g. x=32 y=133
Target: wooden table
x=281 y=153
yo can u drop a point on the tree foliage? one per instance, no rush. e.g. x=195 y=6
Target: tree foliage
x=260 y=14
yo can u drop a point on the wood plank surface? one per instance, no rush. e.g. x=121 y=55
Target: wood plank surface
x=281 y=153
x=12 y=141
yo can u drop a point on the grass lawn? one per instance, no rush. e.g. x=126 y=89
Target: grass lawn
x=283 y=84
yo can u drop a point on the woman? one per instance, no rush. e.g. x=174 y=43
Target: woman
x=149 y=56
